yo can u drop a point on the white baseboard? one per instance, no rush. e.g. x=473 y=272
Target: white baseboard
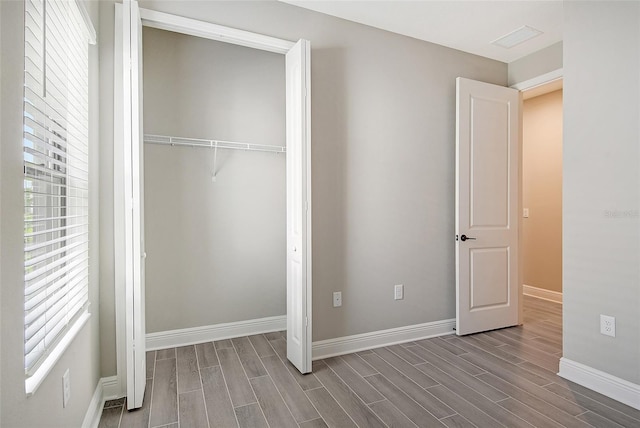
x=209 y=333
x=94 y=412
x=541 y=293
x=378 y=339
x=106 y=389
x=111 y=388
x=599 y=381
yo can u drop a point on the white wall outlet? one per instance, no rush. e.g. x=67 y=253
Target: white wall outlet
x=398 y=292
x=66 y=388
x=608 y=325
x=337 y=299
x=525 y=212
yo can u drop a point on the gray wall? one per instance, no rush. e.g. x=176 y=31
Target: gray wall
x=82 y=357
x=601 y=184
x=212 y=248
x=536 y=64
x=383 y=139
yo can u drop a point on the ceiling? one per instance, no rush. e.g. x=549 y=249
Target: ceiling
x=465 y=25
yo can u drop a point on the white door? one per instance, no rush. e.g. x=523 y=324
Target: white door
x=487 y=206
x=298 y=206
x=133 y=194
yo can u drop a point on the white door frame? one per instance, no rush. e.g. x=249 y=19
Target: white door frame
x=523 y=86
x=178 y=24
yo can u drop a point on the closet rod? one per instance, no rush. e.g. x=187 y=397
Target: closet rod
x=213 y=144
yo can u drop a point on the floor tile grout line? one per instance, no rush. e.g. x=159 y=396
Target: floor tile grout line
x=529 y=393
x=458 y=414
x=400 y=371
x=347 y=384
x=535 y=411
x=153 y=382
x=591 y=399
x=472 y=343
x=295 y=380
x=444 y=359
x=121 y=414
x=358 y=396
x=177 y=390
x=353 y=368
x=334 y=399
x=399 y=388
x=204 y=400
x=474 y=390
x=508 y=341
x=226 y=386
x=276 y=386
x=233 y=346
x=472 y=404
x=258 y=402
x=504 y=362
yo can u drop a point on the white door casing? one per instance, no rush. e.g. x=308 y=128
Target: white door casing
x=128 y=192
x=487 y=206
x=298 y=131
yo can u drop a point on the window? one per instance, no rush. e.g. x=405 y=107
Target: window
x=56 y=181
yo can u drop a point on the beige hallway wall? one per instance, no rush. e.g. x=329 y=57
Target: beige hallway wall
x=542 y=191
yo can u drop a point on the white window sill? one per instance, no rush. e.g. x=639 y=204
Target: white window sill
x=32 y=383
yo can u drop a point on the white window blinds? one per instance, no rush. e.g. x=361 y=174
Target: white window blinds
x=55 y=145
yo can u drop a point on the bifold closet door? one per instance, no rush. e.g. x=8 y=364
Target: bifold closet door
x=128 y=190
x=298 y=100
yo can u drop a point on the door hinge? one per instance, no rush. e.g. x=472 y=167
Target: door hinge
x=306 y=321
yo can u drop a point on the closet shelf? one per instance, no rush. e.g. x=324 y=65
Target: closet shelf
x=212 y=144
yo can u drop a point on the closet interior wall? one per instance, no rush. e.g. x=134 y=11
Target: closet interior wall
x=215 y=249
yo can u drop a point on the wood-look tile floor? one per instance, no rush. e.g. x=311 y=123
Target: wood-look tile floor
x=495 y=379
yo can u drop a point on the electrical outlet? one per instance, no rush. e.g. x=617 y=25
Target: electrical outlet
x=66 y=388
x=337 y=299
x=398 y=292
x=608 y=325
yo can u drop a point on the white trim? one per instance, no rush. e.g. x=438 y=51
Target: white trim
x=611 y=386
x=377 y=339
x=91 y=31
x=541 y=293
x=32 y=383
x=207 y=30
x=543 y=79
x=111 y=388
x=209 y=333
x=94 y=411
x=105 y=390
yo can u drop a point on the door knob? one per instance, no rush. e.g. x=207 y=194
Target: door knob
x=465 y=237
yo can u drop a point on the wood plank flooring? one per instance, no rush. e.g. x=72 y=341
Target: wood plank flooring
x=502 y=378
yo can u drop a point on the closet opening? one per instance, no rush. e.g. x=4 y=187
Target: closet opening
x=228 y=188
x=215 y=186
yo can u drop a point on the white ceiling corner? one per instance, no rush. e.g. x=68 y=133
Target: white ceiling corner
x=466 y=25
